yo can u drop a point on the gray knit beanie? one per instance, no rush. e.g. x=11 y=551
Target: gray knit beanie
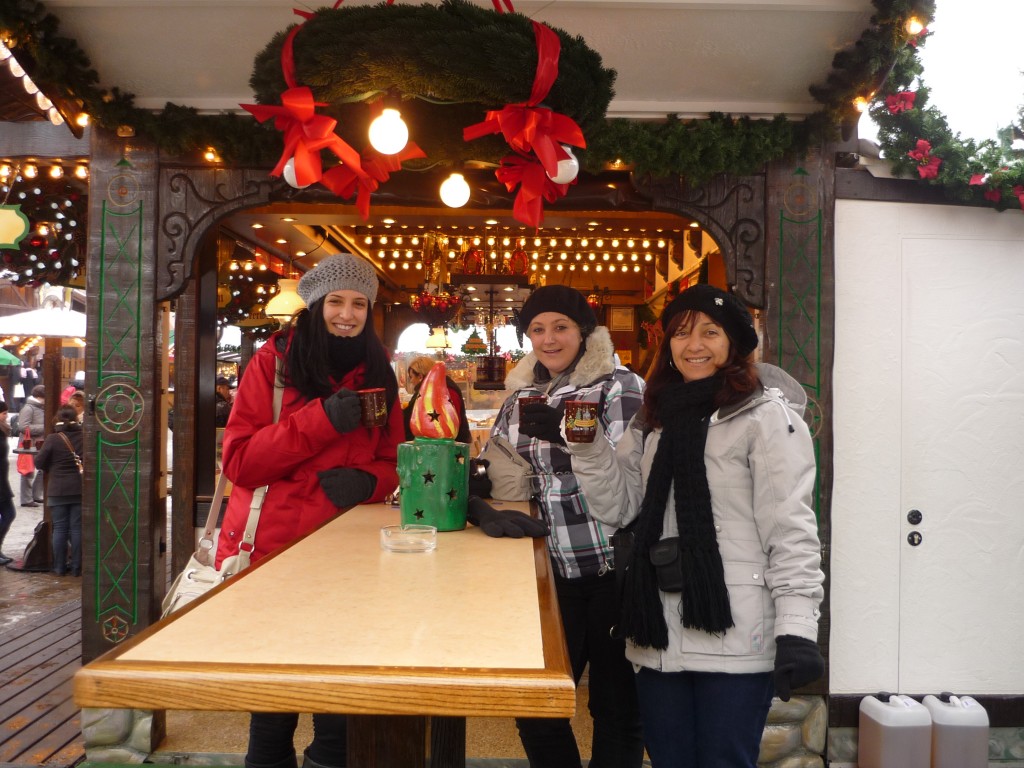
x=339 y=272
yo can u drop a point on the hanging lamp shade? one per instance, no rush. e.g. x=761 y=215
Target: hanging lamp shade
x=438 y=339
x=287 y=301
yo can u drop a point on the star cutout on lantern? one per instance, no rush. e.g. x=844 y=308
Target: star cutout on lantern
x=452 y=494
x=419 y=514
x=460 y=459
x=434 y=415
x=428 y=478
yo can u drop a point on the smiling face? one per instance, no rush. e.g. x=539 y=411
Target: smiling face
x=556 y=340
x=345 y=312
x=699 y=347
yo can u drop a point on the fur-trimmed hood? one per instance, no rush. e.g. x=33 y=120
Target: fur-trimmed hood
x=597 y=362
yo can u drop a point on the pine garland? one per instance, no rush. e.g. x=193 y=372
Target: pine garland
x=460 y=60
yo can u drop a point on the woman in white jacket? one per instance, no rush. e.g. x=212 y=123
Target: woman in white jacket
x=722 y=590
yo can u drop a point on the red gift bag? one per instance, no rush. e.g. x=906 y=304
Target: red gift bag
x=26 y=464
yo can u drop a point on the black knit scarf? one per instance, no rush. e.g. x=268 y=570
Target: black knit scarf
x=345 y=353
x=683 y=410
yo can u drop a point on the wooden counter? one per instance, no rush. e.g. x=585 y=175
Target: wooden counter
x=334 y=623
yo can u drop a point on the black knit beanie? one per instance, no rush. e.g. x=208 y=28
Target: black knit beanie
x=724 y=308
x=563 y=300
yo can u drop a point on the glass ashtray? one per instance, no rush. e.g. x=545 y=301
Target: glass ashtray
x=408 y=538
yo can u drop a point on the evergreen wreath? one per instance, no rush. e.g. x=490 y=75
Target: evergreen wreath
x=462 y=67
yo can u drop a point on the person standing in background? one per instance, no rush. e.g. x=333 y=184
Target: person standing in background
x=224 y=401
x=33 y=418
x=7 y=510
x=60 y=459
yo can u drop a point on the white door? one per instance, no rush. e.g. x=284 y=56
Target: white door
x=928 y=415
x=962 y=447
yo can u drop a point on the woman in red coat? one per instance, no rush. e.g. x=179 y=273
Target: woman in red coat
x=317 y=459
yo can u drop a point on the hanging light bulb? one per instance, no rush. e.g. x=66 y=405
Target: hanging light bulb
x=455 y=191
x=289 y=174
x=568 y=169
x=388 y=133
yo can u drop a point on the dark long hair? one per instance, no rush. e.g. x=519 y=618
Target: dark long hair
x=739 y=375
x=307 y=363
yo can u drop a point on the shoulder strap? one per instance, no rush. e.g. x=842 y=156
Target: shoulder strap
x=245 y=546
x=70 y=446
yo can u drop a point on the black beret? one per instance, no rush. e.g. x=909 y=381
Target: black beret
x=561 y=299
x=724 y=308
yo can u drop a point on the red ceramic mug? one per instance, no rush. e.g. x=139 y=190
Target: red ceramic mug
x=580 y=421
x=375 y=407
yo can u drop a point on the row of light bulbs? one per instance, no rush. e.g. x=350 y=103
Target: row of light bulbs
x=45 y=105
x=522 y=242
x=32 y=171
x=546 y=267
x=536 y=256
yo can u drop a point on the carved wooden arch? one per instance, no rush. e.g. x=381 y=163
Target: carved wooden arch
x=732 y=211
x=192 y=201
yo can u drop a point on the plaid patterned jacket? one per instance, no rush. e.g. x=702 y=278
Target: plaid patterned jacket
x=578 y=544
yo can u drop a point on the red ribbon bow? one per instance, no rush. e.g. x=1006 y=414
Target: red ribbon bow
x=305 y=132
x=527 y=127
x=343 y=181
x=534 y=188
x=533 y=130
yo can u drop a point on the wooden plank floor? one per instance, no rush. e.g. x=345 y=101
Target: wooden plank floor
x=40 y=650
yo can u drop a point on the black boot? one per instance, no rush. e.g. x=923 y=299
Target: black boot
x=308 y=762
x=289 y=763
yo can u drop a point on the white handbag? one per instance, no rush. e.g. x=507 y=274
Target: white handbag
x=199 y=575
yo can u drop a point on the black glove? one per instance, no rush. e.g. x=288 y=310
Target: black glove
x=479 y=482
x=344 y=410
x=346 y=487
x=541 y=421
x=797 y=663
x=503 y=522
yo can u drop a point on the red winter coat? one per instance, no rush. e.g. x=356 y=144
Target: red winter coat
x=287 y=456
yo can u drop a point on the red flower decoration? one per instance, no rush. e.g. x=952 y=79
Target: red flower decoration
x=1019 y=192
x=993 y=195
x=927 y=165
x=900 y=102
x=976 y=179
x=916 y=39
x=930 y=169
x=922 y=152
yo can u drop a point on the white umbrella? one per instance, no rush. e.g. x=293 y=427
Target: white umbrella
x=61 y=323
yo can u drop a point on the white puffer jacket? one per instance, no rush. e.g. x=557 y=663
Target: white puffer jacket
x=760 y=469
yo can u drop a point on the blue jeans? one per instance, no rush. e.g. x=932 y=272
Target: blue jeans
x=589 y=607
x=703 y=719
x=67 y=528
x=272 y=734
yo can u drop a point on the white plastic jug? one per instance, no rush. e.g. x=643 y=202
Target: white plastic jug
x=894 y=732
x=959 y=731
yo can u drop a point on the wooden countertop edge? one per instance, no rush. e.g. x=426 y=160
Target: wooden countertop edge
x=354 y=690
